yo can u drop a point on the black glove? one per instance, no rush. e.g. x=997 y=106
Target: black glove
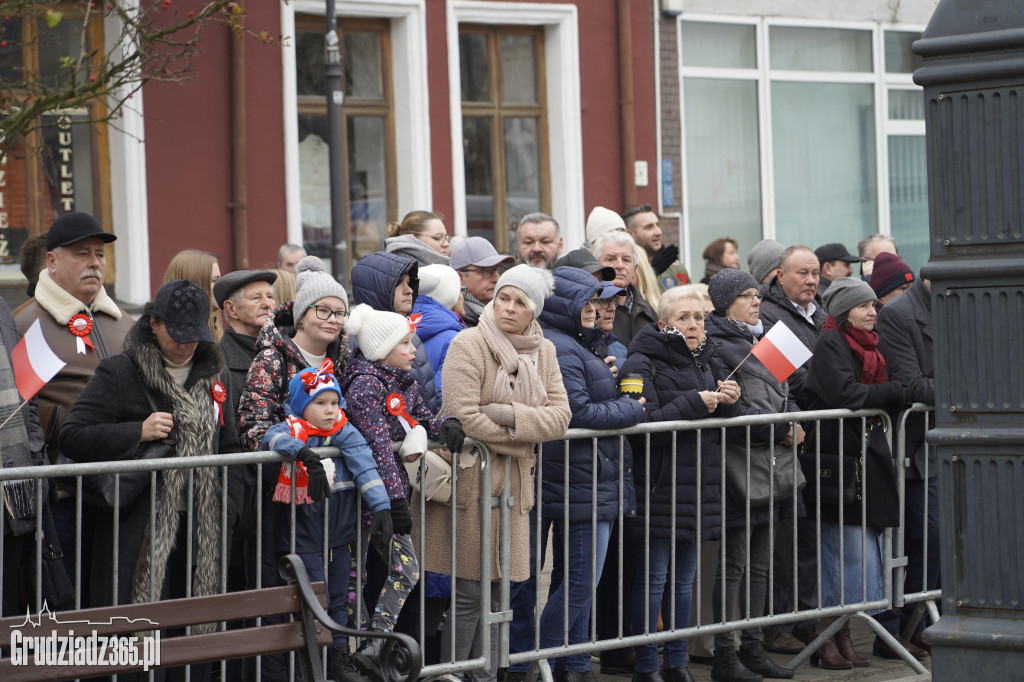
x=401 y=517
x=664 y=257
x=318 y=484
x=381 y=531
x=452 y=435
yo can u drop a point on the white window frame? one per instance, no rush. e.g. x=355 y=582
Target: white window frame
x=410 y=88
x=565 y=138
x=765 y=76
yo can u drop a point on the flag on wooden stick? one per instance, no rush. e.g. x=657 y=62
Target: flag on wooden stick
x=781 y=351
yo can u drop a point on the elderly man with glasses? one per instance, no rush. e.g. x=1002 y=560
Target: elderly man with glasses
x=479 y=266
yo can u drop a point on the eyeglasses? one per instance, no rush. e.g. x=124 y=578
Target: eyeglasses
x=596 y=302
x=487 y=273
x=759 y=297
x=440 y=237
x=604 y=303
x=325 y=313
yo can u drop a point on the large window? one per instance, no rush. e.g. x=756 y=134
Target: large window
x=808 y=134
x=504 y=128
x=367 y=135
x=54 y=170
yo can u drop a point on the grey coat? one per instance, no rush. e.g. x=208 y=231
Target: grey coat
x=777 y=306
x=905 y=339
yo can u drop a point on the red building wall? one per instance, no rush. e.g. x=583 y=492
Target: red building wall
x=188 y=150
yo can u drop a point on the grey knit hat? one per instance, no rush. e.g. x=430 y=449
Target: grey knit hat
x=536 y=283
x=726 y=285
x=313 y=282
x=764 y=258
x=845 y=293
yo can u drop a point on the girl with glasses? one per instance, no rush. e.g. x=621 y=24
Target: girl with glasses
x=421 y=236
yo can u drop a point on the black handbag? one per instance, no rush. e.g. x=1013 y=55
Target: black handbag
x=826 y=468
x=775 y=468
x=98 y=489
x=56 y=589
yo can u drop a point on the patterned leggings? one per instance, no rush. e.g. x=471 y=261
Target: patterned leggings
x=403 y=574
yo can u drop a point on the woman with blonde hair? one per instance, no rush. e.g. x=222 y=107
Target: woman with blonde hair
x=421 y=236
x=202 y=269
x=645 y=279
x=284 y=285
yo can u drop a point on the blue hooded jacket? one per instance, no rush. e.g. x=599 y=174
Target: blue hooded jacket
x=374 y=279
x=595 y=403
x=437 y=329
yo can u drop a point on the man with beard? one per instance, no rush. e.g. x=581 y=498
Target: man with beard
x=538 y=241
x=643 y=225
x=82 y=325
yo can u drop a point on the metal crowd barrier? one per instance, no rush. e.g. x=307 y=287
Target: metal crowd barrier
x=892 y=563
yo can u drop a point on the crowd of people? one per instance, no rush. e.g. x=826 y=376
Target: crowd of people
x=440 y=341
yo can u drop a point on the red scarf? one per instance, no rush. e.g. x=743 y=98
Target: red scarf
x=301 y=429
x=864 y=345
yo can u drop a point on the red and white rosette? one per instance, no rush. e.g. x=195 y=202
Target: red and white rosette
x=414 y=321
x=81 y=325
x=219 y=395
x=395 y=405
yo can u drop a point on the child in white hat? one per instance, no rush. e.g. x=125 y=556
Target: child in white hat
x=384 y=403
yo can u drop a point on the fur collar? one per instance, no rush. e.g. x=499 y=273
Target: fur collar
x=62 y=306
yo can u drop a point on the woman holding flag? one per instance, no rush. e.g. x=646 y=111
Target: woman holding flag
x=682 y=379
x=734 y=328
x=848 y=371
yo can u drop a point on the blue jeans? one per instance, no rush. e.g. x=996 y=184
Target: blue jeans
x=659 y=596
x=339 y=565
x=523 y=596
x=573 y=592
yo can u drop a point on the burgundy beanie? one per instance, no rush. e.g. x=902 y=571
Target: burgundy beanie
x=889 y=272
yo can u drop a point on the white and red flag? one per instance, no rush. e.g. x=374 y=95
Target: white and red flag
x=34 y=362
x=781 y=351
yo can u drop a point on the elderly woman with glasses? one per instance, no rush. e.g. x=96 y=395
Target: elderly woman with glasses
x=733 y=328
x=297 y=335
x=421 y=236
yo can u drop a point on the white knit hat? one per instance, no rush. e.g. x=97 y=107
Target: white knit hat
x=313 y=282
x=440 y=283
x=536 y=283
x=603 y=220
x=377 y=332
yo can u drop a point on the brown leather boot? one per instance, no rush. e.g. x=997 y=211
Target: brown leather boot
x=829 y=658
x=846 y=650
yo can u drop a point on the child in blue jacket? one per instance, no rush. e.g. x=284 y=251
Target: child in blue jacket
x=316 y=418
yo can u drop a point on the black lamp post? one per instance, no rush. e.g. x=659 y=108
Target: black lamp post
x=336 y=163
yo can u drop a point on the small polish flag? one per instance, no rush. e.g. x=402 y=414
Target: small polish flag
x=34 y=362
x=781 y=351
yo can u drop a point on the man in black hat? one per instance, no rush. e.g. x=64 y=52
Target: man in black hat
x=834 y=262
x=246 y=299
x=82 y=325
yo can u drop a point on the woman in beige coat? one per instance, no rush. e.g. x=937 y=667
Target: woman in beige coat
x=502 y=380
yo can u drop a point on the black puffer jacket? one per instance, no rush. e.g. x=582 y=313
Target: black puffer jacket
x=374 y=279
x=673 y=378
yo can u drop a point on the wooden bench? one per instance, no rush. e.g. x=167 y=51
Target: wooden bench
x=309 y=628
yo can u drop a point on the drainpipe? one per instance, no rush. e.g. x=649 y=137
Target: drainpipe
x=239 y=158
x=627 y=122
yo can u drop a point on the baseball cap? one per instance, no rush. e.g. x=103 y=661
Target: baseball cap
x=233 y=281
x=185 y=311
x=834 y=251
x=476 y=251
x=583 y=259
x=74 y=227
x=609 y=290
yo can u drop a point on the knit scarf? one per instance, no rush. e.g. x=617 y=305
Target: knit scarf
x=864 y=345
x=195 y=432
x=517 y=379
x=19 y=494
x=301 y=429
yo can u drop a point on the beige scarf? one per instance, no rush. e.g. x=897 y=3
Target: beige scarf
x=517 y=379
